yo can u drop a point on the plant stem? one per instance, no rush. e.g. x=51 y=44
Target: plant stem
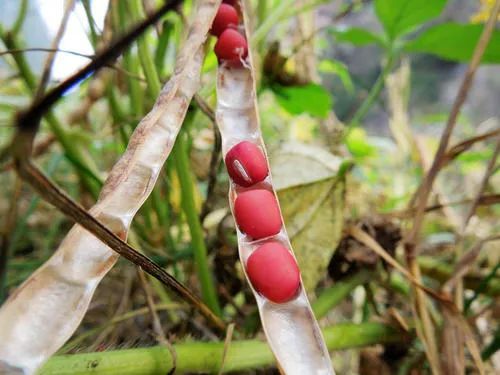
x=180 y=155
x=147 y=62
x=87 y=170
x=374 y=92
x=332 y=296
x=196 y=357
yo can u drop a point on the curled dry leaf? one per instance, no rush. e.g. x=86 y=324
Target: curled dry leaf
x=45 y=311
x=311 y=194
x=290 y=326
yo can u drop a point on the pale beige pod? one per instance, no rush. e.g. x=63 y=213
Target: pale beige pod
x=291 y=328
x=45 y=311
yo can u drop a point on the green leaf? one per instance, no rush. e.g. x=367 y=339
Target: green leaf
x=356 y=36
x=402 y=16
x=456 y=42
x=311 y=98
x=337 y=68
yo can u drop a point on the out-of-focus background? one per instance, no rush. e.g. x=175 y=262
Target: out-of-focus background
x=345 y=82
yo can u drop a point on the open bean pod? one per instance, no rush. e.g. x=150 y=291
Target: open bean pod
x=264 y=246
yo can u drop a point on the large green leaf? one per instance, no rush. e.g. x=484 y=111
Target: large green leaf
x=311 y=98
x=456 y=42
x=401 y=16
x=310 y=188
x=356 y=36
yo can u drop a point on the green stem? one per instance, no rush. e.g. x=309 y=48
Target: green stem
x=206 y=357
x=181 y=159
x=147 y=62
x=85 y=166
x=374 y=92
x=272 y=19
x=131 y=65
x=332 y=296
x=21 y=16
x=90 y=19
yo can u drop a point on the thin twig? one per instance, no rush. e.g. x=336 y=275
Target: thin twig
x=456 y=150
x=484 y=200
x=227 y=344
x=56 y=50
x=47 y=68
x=160 y=335
x=428 y=181
x=466 y=262
x=367 y=240
x=425 y=189
x=482 y=186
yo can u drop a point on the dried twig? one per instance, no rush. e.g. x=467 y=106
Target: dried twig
x=482 y=186
x=425 y=189
x=47 y=68
x=428 y=181
x=456 y=150
x=363 y=237
x=227 y=344
x=466 y=262
x=160 y=335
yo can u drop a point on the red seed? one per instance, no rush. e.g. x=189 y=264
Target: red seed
x=273 y=272
x=226 y=17
x=246 y=164
x=231 y=46
x=257 y=213
x=232 y=2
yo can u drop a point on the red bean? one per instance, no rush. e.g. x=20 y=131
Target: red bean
x=231 y=46
x=257 y=213
x=273 y=272
x=246 y=164
x=226 y=17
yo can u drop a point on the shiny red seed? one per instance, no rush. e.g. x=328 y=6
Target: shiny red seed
x=246 y=164
x=273 y=272
x=257 y=213
x=231 y=46
x=226 y=17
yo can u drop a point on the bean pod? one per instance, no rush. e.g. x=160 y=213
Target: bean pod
x=265 y=251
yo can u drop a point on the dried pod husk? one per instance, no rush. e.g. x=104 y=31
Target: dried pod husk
x=48 y=307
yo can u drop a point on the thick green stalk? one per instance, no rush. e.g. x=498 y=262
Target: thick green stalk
x=131 y=65
x=21 y=16
x=332 y=296
x=147 y=62
x=181 y=159
x=197 y=357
